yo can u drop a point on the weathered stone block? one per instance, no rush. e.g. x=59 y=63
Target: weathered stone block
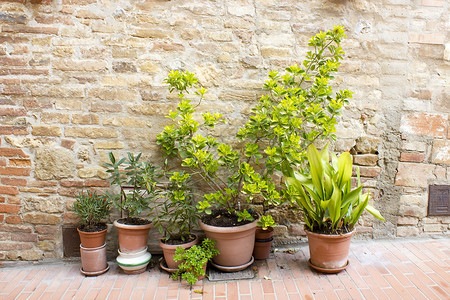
x=54 y=163
x=41 y=218
x=441 y=152
x=91 y=132
x=365 y=159
x=412 y=157
x=424 y=124
x=43 y=130
x=367 y=144
x=414 y=174
x=404 y=231
x=109 y=145
x=44 y=204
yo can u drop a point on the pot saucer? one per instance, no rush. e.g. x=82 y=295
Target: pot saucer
x=94 y=273
x=327 y=271
x=234 y=268
x=164 y=266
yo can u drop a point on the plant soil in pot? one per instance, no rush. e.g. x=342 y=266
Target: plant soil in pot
x=132 y=238
x=235 y=244
x=329 y=253
x=170 y=247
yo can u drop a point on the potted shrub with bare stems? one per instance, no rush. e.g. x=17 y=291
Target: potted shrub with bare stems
x=298 y=109
x=175 y=218
x=136 y=182
x=92 y=210
x=331 y=208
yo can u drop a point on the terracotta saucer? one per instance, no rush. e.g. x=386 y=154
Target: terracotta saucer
x=327 y=271
x=94 y=273
x=234 y=268
x=164 y=266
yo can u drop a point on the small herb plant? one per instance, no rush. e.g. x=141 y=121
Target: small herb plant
x=265 y=222
x=176 y=215
x=92 y=209
x=137 y=182
x=325 y=195
x=298 y=109
x=194 y=260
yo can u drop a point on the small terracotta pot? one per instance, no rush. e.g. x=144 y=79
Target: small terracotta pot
x=93 y=260
x=329 y=253
x=92 y=239
x=263 y=234
x=234 y=243
x=169 y=252
x=262 y=248
x=132 y=238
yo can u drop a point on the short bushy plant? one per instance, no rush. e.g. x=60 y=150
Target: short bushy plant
x=298 y=109
x=92 y=209
x=325 y=194
x=194 y=260
x=176 y=215
x=137 y=181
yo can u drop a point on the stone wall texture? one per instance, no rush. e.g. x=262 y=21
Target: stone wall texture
x=80 y=78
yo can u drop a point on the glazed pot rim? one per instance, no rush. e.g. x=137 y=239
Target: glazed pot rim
x=227 y=229
x=331 y=236
x=128 y=226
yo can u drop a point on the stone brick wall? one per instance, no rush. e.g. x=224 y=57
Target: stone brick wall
x=80 y=78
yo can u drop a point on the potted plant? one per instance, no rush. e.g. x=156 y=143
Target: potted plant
x=298 y=109
x=193 y=261
x=92 y=210
x=175 y=218
x=137 y=183
x=331 y=208
x=263 y=237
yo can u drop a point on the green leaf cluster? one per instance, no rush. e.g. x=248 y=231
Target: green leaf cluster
x=194 y=260
x=137 y=181
x=299 y=108
x=325 y=195
x=176 y=215
x=91 y=208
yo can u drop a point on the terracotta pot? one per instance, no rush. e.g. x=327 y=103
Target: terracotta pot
x=92 y=239
x=263 y=234
x=262 y=248
x=169 y=252
x=234 y=243
x=329 y=253
x=93 y=260
x=132 y=238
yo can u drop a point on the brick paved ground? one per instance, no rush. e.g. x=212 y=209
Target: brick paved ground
x=400 y=269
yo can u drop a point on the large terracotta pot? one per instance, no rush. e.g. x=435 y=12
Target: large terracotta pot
x=329 y=253
x=93 y=260
x=234 y=243
x=92 y=239
x=132 y=238
x=169 y=252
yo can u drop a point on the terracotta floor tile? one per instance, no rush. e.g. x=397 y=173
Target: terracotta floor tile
x=294 y=296
x=220 y=289
x=245 y=297
x=269 y=297
x=290 y=286
x=256 y=290
x=114 y=294
x=440 y=292
x=137 y=294
x=303 y=288
x=244 y=287
x=161 y=293
x=267 y=286
x=232 y=290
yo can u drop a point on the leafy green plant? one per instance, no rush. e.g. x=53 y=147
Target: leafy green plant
x=176 y=215
x=194 y=260
x=137 y=182
x=299 y=108
x=265 y=222
x=325 y=195
x=91 y=209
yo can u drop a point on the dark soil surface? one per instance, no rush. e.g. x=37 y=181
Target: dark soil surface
x=94 y=228
x=134 y=221
x=223 y=218
x=178 y=240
